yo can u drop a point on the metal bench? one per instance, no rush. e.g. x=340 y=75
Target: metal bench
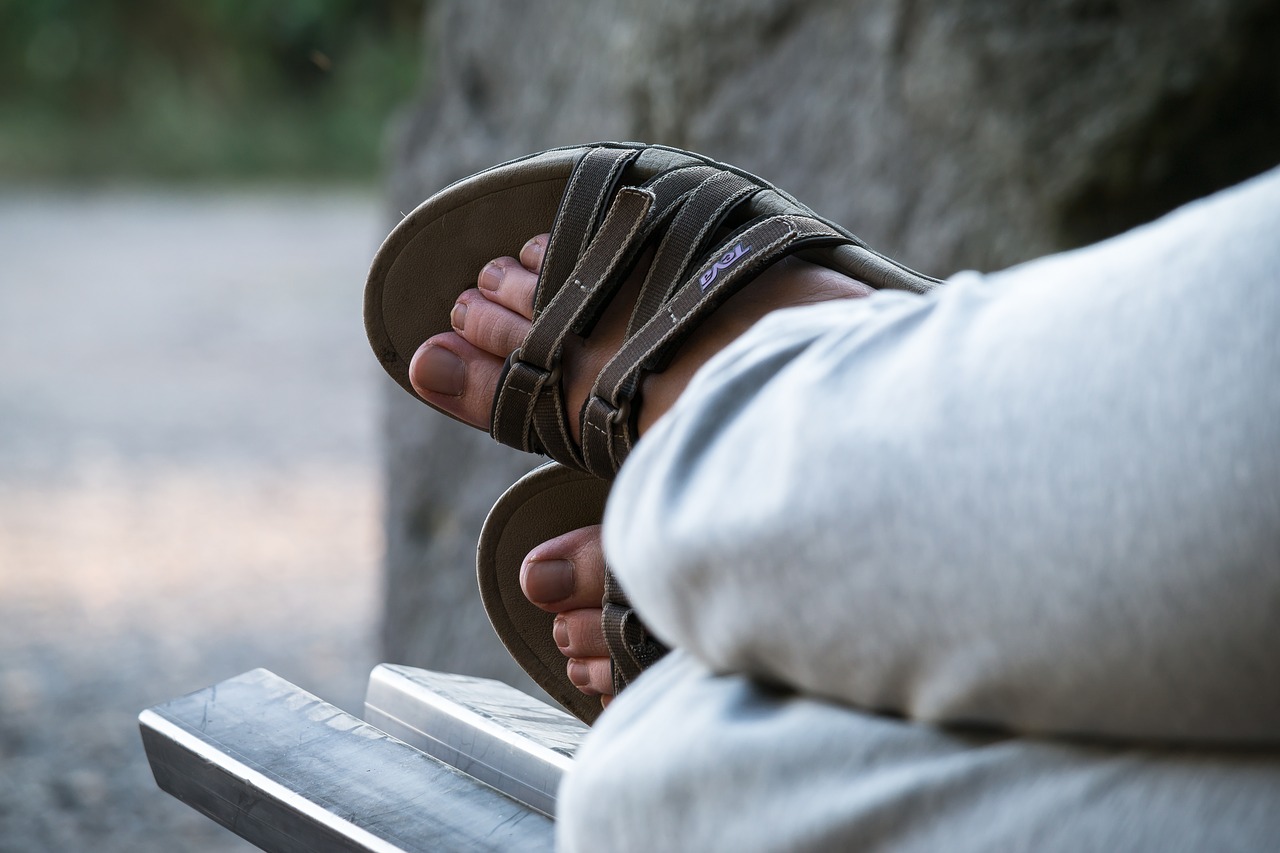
x=289 y=772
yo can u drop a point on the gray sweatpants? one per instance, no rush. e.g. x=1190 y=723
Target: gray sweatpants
x=996 y=568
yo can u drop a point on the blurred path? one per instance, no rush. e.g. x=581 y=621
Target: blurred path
x=187 y=484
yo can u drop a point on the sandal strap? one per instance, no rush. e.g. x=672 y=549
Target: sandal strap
x=581 y=207
x=598 y=236
x=589 y=189
x=579 y=304
x=608 y=428
x=528 y=411
x=686 y=238
x=532 y=371
x=632 y=649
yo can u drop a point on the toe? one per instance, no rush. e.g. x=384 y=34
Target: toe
x=579 y=634
x=456 y=377
x=506 y=282
x=592 y=676
x=488 y=325
x=565 y=573
x=531 y=254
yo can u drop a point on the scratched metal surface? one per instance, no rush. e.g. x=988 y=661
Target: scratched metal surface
x=289 y=772
x=492 y=731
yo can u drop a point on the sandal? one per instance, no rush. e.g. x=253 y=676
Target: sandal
x=712 y=227
x=549 y=501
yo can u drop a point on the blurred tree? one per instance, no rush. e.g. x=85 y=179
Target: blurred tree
x=223 y=88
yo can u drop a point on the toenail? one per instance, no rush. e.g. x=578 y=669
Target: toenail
x=578 y=673
x=560 y=632
x=548 y=581
x=535 y=247
x=491 y=276
x=441 y=371
x=458 y=316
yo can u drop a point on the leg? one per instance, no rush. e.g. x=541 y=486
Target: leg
x=1043 y=499
x=686 y=760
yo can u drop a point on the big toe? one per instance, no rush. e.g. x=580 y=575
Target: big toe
x=565 y=573
x=458 y=371
x=456 y=377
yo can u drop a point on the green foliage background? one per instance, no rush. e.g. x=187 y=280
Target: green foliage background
x=202 y=89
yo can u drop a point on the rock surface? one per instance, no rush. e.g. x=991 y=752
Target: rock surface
x=948 y=134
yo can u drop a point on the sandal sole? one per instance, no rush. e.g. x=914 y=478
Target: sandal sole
x=547 y=502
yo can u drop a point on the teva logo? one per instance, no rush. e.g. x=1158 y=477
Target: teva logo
x=730 y=258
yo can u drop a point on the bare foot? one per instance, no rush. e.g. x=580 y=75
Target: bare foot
x=565 y=576
x=458 y=372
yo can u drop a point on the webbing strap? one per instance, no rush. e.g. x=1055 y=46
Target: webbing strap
x=686 y=238
x=587 y=192
x=528 y=410
x=632 y=648
x=592 y=282
x=607 y=429
x=532 y=365
x=584 y=199
x=603 y=264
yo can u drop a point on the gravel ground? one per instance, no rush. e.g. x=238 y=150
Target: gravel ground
x=188 y=484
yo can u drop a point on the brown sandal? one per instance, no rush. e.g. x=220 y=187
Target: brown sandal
x=712 y=228
x=549 y=501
